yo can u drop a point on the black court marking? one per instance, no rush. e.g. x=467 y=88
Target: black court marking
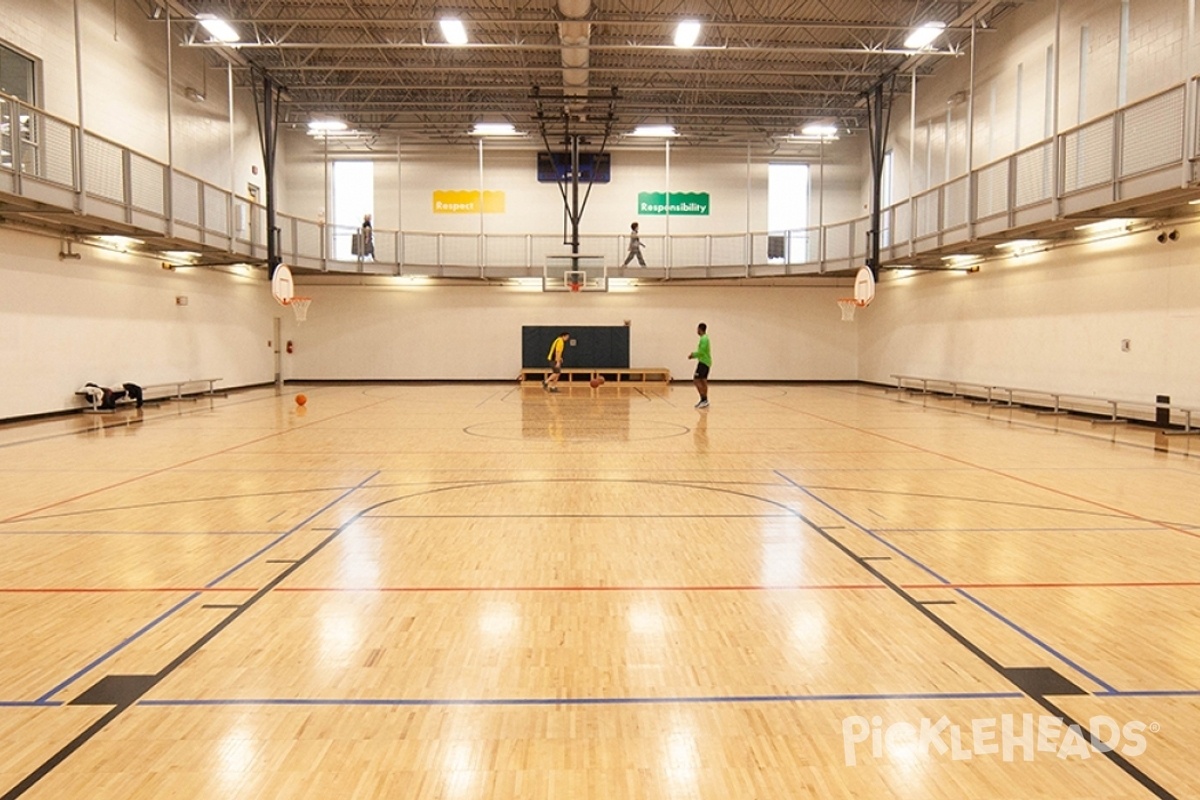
x=876 y=558
x=282 y=560
x=1035 y=677
x=938 y=602
x=221 y=605
x=122 y=691
x=161 y=503
x=115 y=690
x=1041 y=681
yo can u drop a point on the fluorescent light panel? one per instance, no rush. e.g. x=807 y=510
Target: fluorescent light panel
x=453 y=30
x=687 y=32
x=821 y=130
x=660 y=131
x=218 y=28
x=494 y=129
x=326 y=125
x=923 y=36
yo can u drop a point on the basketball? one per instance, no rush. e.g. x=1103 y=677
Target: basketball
x=594 y=382
x=301 y=399
x=600 y=379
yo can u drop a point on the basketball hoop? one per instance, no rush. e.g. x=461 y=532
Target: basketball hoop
x=575 y=279
x=848 y=306
x=299 y=306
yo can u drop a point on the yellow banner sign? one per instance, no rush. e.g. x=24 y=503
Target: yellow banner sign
x=466 y=201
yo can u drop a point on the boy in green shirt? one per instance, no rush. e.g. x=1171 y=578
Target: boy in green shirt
x=703 y=356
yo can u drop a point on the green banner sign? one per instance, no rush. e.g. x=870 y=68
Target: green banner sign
x=683 y=204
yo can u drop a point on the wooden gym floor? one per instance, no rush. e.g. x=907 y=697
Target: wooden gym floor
x=487 y=591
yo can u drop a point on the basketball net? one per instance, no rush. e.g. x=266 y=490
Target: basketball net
x=848 y=306
x=574 y=287
x=300 y=307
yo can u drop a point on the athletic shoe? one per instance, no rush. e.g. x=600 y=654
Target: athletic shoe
x=544 y=384
x=702 y=404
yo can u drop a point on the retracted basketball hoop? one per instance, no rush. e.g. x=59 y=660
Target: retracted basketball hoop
x=299 y=306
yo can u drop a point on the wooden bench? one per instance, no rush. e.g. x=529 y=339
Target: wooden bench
x=172 y=390
x=610 y=375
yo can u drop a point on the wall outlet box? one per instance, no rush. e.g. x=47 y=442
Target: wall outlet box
x=181 y=300
x=1125 y=343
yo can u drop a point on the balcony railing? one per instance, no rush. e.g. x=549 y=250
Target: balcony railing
x=1144 y=148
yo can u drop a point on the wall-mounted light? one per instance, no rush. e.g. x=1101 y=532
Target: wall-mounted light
x=1168 y=236
x=326 y=126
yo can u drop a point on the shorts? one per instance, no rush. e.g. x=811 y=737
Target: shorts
x=701 y=371
x=556 y=368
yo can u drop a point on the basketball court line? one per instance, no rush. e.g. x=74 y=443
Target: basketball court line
x=650 y=588
x=134 y=533
x=582 y=701
x=170 y=467
x=210 y=585
x=983 y=606
x=1151 y=693
x=994 y=471
x=1145 y=529
x=150 y=681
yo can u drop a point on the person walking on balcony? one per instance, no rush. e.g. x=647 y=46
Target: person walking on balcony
x=635 y=247
x=367 y=238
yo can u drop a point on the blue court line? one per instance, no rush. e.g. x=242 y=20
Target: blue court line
x=1150 y=693
x=174 y=609
x=118 y=648
x=1031 y=530
x=30 y=704
x=586 y=701
x=138 y=533
x=997 y=615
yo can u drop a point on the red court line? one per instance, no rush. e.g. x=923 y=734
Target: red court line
x=64 y=501
x=995 y=471
x=118 y=590
x=650 y=588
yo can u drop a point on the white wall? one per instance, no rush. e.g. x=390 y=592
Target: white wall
x=110 y=318
x=399 y=331
x=1050 y=321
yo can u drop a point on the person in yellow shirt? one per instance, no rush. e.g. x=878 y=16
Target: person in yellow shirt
x=555 y=357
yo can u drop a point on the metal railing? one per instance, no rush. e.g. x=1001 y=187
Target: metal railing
x=1141 y=148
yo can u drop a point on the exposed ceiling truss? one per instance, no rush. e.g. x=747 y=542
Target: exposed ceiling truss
x=760 y=70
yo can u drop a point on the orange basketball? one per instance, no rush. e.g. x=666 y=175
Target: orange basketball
x=301 y=399
x=594 y=382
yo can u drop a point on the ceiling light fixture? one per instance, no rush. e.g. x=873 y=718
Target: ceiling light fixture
x=218 y=28
x=326 y=125
x=453 y=30
x=687 y=33
x=655 y=131
x=922 y=37
x=494 y=129
x=820 y=130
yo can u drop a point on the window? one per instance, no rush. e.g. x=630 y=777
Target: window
x=788 y=238
x=17 y=79
x=885 y=200
x=353 y=198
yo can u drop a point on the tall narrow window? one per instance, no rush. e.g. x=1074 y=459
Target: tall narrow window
x=885 y=200
x=18 y=80
x=353 y=198
x=789 y=240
